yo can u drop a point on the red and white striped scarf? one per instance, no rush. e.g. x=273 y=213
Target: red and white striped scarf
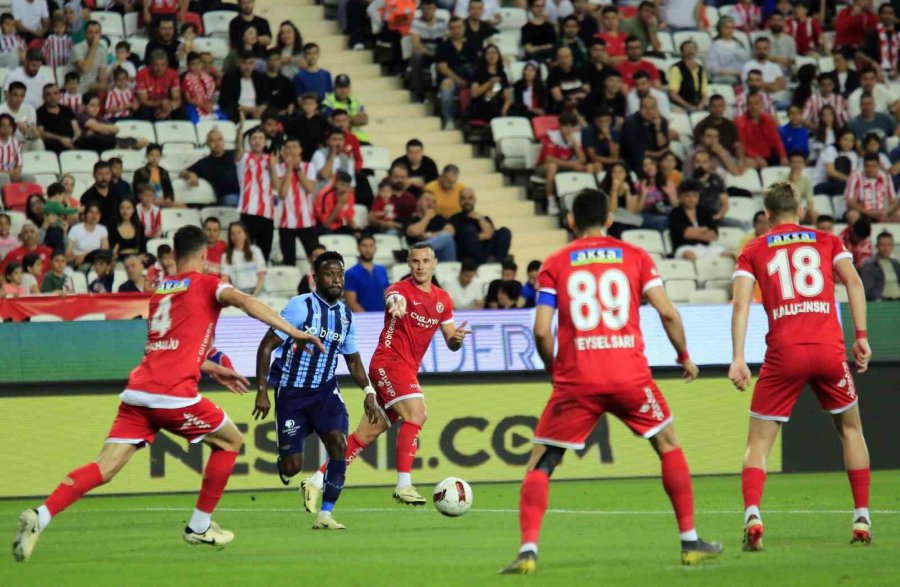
x=890 y=46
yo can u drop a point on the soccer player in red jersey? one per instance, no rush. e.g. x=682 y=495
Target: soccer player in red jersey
x=795 y=269
x=414 y=309
x=597 y=283
x=162 y=395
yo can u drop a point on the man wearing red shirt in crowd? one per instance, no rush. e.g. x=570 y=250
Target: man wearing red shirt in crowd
x=334 y=205
x=158 y=89
x=393 y=202
x=31 y=244
x=340 y=119
x=759 y=135
x=615 y=39
x=852 y=23
x=635 y=62
x=215 y=247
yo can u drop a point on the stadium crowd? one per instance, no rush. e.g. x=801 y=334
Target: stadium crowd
x=679 y=110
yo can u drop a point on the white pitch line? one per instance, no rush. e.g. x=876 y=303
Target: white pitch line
x=484 y=511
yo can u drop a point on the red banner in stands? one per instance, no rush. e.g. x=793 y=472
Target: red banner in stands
x=125 y=306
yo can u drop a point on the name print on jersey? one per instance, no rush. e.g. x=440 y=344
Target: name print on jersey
x=592 y=256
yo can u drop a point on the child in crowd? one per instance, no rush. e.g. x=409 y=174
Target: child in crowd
x=57 y=280
x=209 y=68
x=10 y=151
x=125 y=61
x=8 y=242
x=57 y=48
x=56 y=204
x=72 y=97
x=31 y=273
x=199 y=90
x=13 y=287
x=157 y=177
x=148 y=212
x=12 y=46
x=121 y=102
x=164 y=267
x=102 y=265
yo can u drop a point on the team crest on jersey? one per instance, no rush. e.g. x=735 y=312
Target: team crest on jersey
x=168 y=287
x=439 y=307
x=791 y=238
x=594 y=256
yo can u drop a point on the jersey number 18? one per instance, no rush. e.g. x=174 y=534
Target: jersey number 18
x=807 y=279
x=592 y=299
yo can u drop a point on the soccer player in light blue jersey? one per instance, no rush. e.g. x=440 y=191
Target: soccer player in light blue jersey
x=307 y=398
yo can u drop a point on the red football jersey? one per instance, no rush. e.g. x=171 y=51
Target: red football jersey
x=794 y=267
x=597 y=284
x=408 y=338
x=183 y=315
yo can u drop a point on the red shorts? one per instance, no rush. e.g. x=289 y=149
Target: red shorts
x=569 y=418
x=137 y=425
x=785 y=373
x=394 y=381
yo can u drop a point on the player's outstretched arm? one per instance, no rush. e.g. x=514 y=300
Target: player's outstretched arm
x=856 y=295
x=739 y=372
x=358 y=373
x=543 y=334
x=671 y=321
x=454 y=336
x=254 y=308
x=230 y=378
x=395 y=304
x=267 y=345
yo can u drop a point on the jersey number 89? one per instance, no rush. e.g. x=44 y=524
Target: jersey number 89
x=807 y=279
x=592 y=299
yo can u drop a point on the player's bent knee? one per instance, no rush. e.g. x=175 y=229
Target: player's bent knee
x=550 y=459
x=292 y=464
x=336 y=445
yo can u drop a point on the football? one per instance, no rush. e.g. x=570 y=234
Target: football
x=452 y=497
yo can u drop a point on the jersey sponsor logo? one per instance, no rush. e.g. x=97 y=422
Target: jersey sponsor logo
x=593 y=343
x=175 y=286
x=192 y=421
x=791 y=238
x=424 y=321
x=385 y=383
x=170 y=344
x=652 y=405
x=810 y=307
x=290 y=428
x=595 y=256
x=326 y=334
x=389 y=333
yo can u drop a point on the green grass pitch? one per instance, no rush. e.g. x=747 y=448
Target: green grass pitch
x=614 y=532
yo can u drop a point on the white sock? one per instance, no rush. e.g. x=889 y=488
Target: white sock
x=403 y=480
x=528 y=547
x=318 y=479
x=857 y=514
x=689 y=536
x=753 y=510
x=44 y=517
x=200 y=521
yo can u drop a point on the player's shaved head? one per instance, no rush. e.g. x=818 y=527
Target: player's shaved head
x=590 y=210
x=189 y=240
x=781 y=200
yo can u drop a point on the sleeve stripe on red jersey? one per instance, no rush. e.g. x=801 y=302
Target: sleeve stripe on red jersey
x=220 y=288
x=448 y=321
x=546 y=298
x=843 y=255
x=743 y=273
x=655 y=282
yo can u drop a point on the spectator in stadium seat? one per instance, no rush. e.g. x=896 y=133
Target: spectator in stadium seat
x=825 y=223
x=163 y=267
x=334 y=205
x=100 y=194
x=476 y=236
x=58 y=46
x=794 y=133
x=88 y=236
x=609 y=32
x=166 y=41
x=644 y=25
x=645 y=133
x=720 y=159
x=774 y=82
x=307 y=282
x=835 y=165
x=713 y=195
x=600 y=140
x=868 y=84
x=748 y=16
x=429 y=226
x=870 y=193
x=881 y=273
x=466 y=289
x=610 y=97
x=27 y=129
x=218 y=169
x=588 y=26
x=509 y=296
x=330 y=159
x=243 y=90
x=246 y=19
x=846 y=80
x=684 y=15
x=857 y=239
x=156 y=176
x=539 y=34
x=881 y=44
x=198 y=89
x=658 y=196
x=851 y=24
x=560 y=152
x=309 y=125
x=507 y=273
x=10 y=153
x=478 y=32
x=530 y=287
x=366 y=282
x=490 y=87
x=341 y=121
x=57 y=281
x=624 y=198
x=12 y=46
x=32 y=77
x=802 y=183
x=826 y=133
x=391 y=20
x=727 y=55
x=871 y=121
x=243 y=264
x=826 y=96
x=420 y=168
x=427 y=32
x=134 y=270
x=596 y=68
x=341 y=99
x=127 y=237
x=530 y=96
x=761 y=226
x=279 y=88
x=215 y=247
x=290 y=47
x=393 y=205
x=31 y=244
x=759 y=135
x=58 y=125
x=295 y=187
x=643 y=88
x=573 y=42
x=446 y=190
x=687 y=80
x=784 y=48
x=567 y=88
x=149 y=213
x=91 y=59
x=754 y=84
x=694 y=232
x=12 y=283
x=159 y=90
x=312 y=78
x=32 y=18
x=456 y=60
x=634 y=62
x=270 y=125
x=31 y=269
x=8 y=242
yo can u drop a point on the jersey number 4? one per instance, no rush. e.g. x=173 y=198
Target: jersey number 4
x=801 y=275
x=161 y=321
x=592 y=299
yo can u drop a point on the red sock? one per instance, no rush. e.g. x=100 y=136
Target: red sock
x=860 y=479
x=407 y=441
x=676 y=478
x=215 y=477
x=83 y=479
x=354 y=449
x=753 y=480
x=533 y=504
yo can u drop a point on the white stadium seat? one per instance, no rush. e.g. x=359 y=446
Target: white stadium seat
x=749 y=180
x=175 y=131
x=839 y=205
x=708 y=296
x=202 y=194
x=573 y=182
x=78 y=161
x=398 y=271
x=488 y=272
x=447 y=271
x=111 y=23
x=282 y=280
x=45 y=179
x=154 y=243
x=376 y=158
x=275 y=303
x=724 y=90
x=225 y=214
x=360 y=215
x=35 y=162
x=513 y=19
x=649 y=240
x=215 y=22
x=774 y=174
x=131 y=26
x=680 y=290
x=666 y=44
x=175 y=218
x=342 y=243
x=216 y=46
x=139 y=46
x=136 y=129
x=385 y=245
x=79 y=282
x=823 y=205
x=509 y=43
x=226 y=127
x=681 y=123
x=714 y=268
x=513 y=137
x=878 y=228
x=675 y=269
x=730 y=237
x=743 y=209
x=131 y=160
x=700 y=37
